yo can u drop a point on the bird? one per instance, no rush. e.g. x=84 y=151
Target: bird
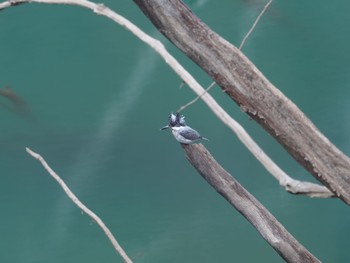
x=183 y=134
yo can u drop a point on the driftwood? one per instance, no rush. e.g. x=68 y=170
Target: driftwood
x=256 y=96
x=266 y=224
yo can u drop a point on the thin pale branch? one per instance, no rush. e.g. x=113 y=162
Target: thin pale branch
x=255 y=24
x=86 y=210
x=196 y=98
x=290 y=184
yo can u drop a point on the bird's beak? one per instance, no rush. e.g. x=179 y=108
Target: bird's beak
x=165 y=127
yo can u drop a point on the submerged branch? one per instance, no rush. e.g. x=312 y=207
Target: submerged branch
x=15 y=103
x=86 y=210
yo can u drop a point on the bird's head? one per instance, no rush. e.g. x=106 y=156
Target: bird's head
x=175 y=120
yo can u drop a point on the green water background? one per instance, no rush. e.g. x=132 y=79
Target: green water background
x=98 y=97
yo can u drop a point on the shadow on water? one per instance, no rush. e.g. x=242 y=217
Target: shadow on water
x=14 y=103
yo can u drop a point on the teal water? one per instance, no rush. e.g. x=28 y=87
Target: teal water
x=97 y=98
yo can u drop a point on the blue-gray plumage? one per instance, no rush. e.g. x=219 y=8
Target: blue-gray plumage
x=182 y=133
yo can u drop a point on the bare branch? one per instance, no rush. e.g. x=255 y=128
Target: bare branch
x=266 y=224
x=239 y=78
x=86 y=210
x=240 y=48
x=196 y=98
x=255 y=24
x=291 y=185
x=287 y=182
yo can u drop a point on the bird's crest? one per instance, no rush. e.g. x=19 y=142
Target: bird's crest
x=180 y=119
x=176 y=120
x=172 y=120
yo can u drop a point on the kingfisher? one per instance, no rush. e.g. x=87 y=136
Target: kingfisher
x=182 y=133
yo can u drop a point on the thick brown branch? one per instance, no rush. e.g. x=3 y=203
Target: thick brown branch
x=267 y=225
x=256 y=96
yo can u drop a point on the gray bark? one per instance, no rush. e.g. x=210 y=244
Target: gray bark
x=247 y=86
x=266 y=224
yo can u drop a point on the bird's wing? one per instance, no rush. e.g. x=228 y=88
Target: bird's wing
x=190 y=134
